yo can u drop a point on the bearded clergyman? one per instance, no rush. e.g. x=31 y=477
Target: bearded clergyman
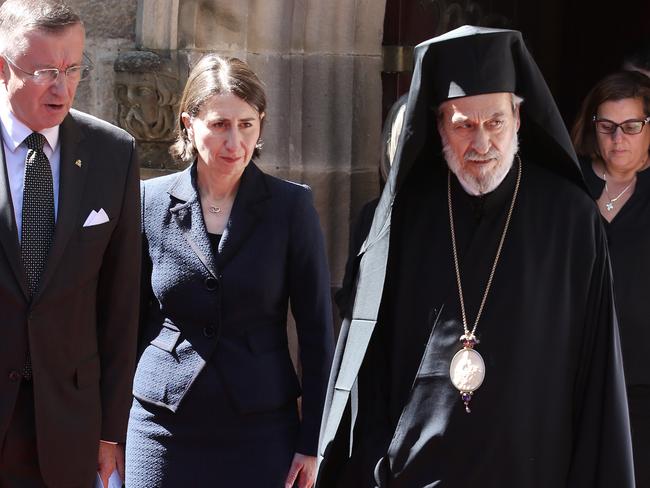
x=482 y=348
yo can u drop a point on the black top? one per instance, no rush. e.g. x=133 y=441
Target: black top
x=214 y=243
x=628 y=236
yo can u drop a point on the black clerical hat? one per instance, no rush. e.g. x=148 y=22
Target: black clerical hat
x=469 y=61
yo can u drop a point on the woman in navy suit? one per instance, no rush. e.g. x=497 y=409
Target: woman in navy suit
x=226 y=248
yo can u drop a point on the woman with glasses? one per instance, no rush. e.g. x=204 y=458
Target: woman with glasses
x=612 y=137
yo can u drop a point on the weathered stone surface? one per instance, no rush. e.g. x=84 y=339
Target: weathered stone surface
x=280 y=26
x=155 y=156
x=271 y=25
x=344 y=26
x=157 y=24
x=97 y=94
x=138 y=62
x=213 y=24
x=107 y=18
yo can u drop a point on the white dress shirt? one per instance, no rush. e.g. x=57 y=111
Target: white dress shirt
x=14 y=133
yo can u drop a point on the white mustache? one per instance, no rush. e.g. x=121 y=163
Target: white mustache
x=474 y=156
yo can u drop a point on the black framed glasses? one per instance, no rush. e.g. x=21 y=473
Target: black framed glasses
x=47 y=76
x=630 y=127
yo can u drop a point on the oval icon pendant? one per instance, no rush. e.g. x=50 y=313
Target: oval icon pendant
x=467 y=372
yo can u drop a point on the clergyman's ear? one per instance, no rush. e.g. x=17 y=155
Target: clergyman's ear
x=4 y=70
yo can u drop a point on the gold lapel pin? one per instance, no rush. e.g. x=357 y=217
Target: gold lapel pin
x=78 y=162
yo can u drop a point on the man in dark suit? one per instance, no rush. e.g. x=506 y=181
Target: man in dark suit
x=69 y=260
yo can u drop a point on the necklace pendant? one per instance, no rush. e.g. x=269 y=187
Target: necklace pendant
x=609 y=206
x=214 y=209
x=467 y=370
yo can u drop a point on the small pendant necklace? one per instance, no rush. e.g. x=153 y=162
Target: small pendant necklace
x=609 y=205
x=214 y=207
x=467 y=368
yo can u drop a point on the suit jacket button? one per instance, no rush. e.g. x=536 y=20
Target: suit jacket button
x=14 y=376
x=211 y=283
x=208 y=331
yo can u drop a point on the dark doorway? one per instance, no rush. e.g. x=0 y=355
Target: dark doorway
x=575 y=42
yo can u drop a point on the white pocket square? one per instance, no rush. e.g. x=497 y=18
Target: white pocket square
x=96 y=218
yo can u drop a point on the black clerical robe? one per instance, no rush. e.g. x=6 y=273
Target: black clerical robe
x=552 y=410
x=628 y=236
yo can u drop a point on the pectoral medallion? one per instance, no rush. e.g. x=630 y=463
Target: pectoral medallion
x=467 y=371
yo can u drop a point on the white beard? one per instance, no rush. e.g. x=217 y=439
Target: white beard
x=485 y=178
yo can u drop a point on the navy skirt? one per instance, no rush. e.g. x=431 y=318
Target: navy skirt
x=207 y=443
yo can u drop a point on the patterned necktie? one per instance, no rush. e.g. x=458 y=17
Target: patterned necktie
x=37 y=230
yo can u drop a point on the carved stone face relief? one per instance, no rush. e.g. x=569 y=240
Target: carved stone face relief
x=147 y=96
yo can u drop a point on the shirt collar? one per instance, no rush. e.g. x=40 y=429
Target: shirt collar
x=14 y=131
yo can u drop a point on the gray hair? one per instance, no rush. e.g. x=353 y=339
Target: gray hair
x=516 y=101
x=20 y=16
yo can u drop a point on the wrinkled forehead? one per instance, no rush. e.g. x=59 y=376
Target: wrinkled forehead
x=477 y=106
x=32 y=39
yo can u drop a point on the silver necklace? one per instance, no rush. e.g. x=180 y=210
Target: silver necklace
x=213 y=208
x=467 y=368
x=610 y=204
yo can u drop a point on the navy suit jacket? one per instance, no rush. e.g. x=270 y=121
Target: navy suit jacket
x=234 y=305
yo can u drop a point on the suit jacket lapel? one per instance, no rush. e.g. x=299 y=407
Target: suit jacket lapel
x=185 y=208
x=71 y=187
x=247 y=210
x=8 y=230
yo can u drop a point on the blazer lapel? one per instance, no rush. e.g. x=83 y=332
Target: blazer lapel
x=71 y=187
x=8 y=230
x=247 y=210
x=186 y=212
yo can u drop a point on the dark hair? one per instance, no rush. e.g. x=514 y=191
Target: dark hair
x=617 y=86
x=20 y=16
x=215 y=75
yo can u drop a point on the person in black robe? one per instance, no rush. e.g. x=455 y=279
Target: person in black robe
x=532 y=264
x=614 y=151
